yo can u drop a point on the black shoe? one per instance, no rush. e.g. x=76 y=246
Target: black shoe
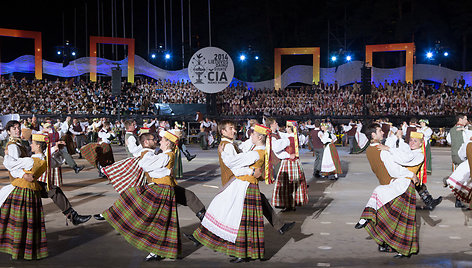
x=237 y=260
x=316 y=175
x=153 y=257
x=98 y=217
x=77 y=169
x=445 y=182
x=288 y=209
x=286 y=227
x=193 y=239
x=189 y=156
x=201 y=214
x=360 y=226
x=385 y=248
x=434 y=203
x=459 y=204
x=77 y=219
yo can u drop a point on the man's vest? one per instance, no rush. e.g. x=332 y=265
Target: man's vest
x=315 y=140
x=377 y=166
x=226 y=173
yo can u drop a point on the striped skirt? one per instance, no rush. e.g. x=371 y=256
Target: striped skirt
x=335 y=165
x=56 y=177
x=395 y=223
x=22 y=228
x=146 y=216
x=290 y=185
x=250 y=240
x=357 y=150
x=96 y=153
x=125 y=173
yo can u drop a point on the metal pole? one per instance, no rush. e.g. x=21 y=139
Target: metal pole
x=155 y=24
x=132 y=19
x=189 y=27
x=209 y=23
x=183 y=39
x=165 y=25
x=171 y=30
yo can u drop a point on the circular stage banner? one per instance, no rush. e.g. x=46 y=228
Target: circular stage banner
x=211 y=69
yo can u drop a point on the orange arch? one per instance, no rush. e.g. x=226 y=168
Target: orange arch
x=38 y=50
x=278 y=52
x=408 y=47
x=94 y=40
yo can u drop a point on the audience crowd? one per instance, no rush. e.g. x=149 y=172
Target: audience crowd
x=385 y=99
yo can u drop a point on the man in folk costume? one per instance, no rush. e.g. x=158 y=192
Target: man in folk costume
x=290 y=188
x=234 y=222
x=427 y=133
x=132 y=146
x=16 y=151
x=182 y=147
x=55 y=136
x=100 y=154
x=318 y=148
x=456 y=137
x=376 y=135
x=127 y=173
x=78 y=131
x=350 y=131
x=381 y=217
x=146 y=215
x=233 y=163
x=331 y=165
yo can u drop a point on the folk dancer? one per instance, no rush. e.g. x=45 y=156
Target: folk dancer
x=388 y=228
x=456 y=137
x=17 y=150
x=234 y=222
x=427 y=133
x=22 y=225
x=146 y=216
x=318 y=149
x=100 y=154
x=290 y=188
x=330 y=165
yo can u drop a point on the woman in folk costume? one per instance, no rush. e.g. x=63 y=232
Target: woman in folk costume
x=460 y=180
x=330 y=164
x=100 y=154
x=290 y=184
x=22 y=228
x=146 y=215
x=361 y=142
x=427 y=133
x=234 y=223
x=390 y=214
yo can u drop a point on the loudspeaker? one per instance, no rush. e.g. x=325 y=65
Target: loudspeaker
x=366 y=79
x=115 y=81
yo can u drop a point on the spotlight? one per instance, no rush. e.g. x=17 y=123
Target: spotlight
x=242 y=57
x=167 y=56
x=73 y=53
x=348 y=58
x=256 y=57
x=333 y=58
x=429 y=55
x=160 y=46
x=446 y=54
x=153 y=55
x=58 y=52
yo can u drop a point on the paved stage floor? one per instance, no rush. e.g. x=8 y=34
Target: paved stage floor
x=324 y=234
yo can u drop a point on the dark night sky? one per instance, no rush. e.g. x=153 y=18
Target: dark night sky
x=263 y=25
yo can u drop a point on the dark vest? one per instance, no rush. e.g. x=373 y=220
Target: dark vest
x=352 y=131
x=274 y=160
x=77 y=128
x=315 y=140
